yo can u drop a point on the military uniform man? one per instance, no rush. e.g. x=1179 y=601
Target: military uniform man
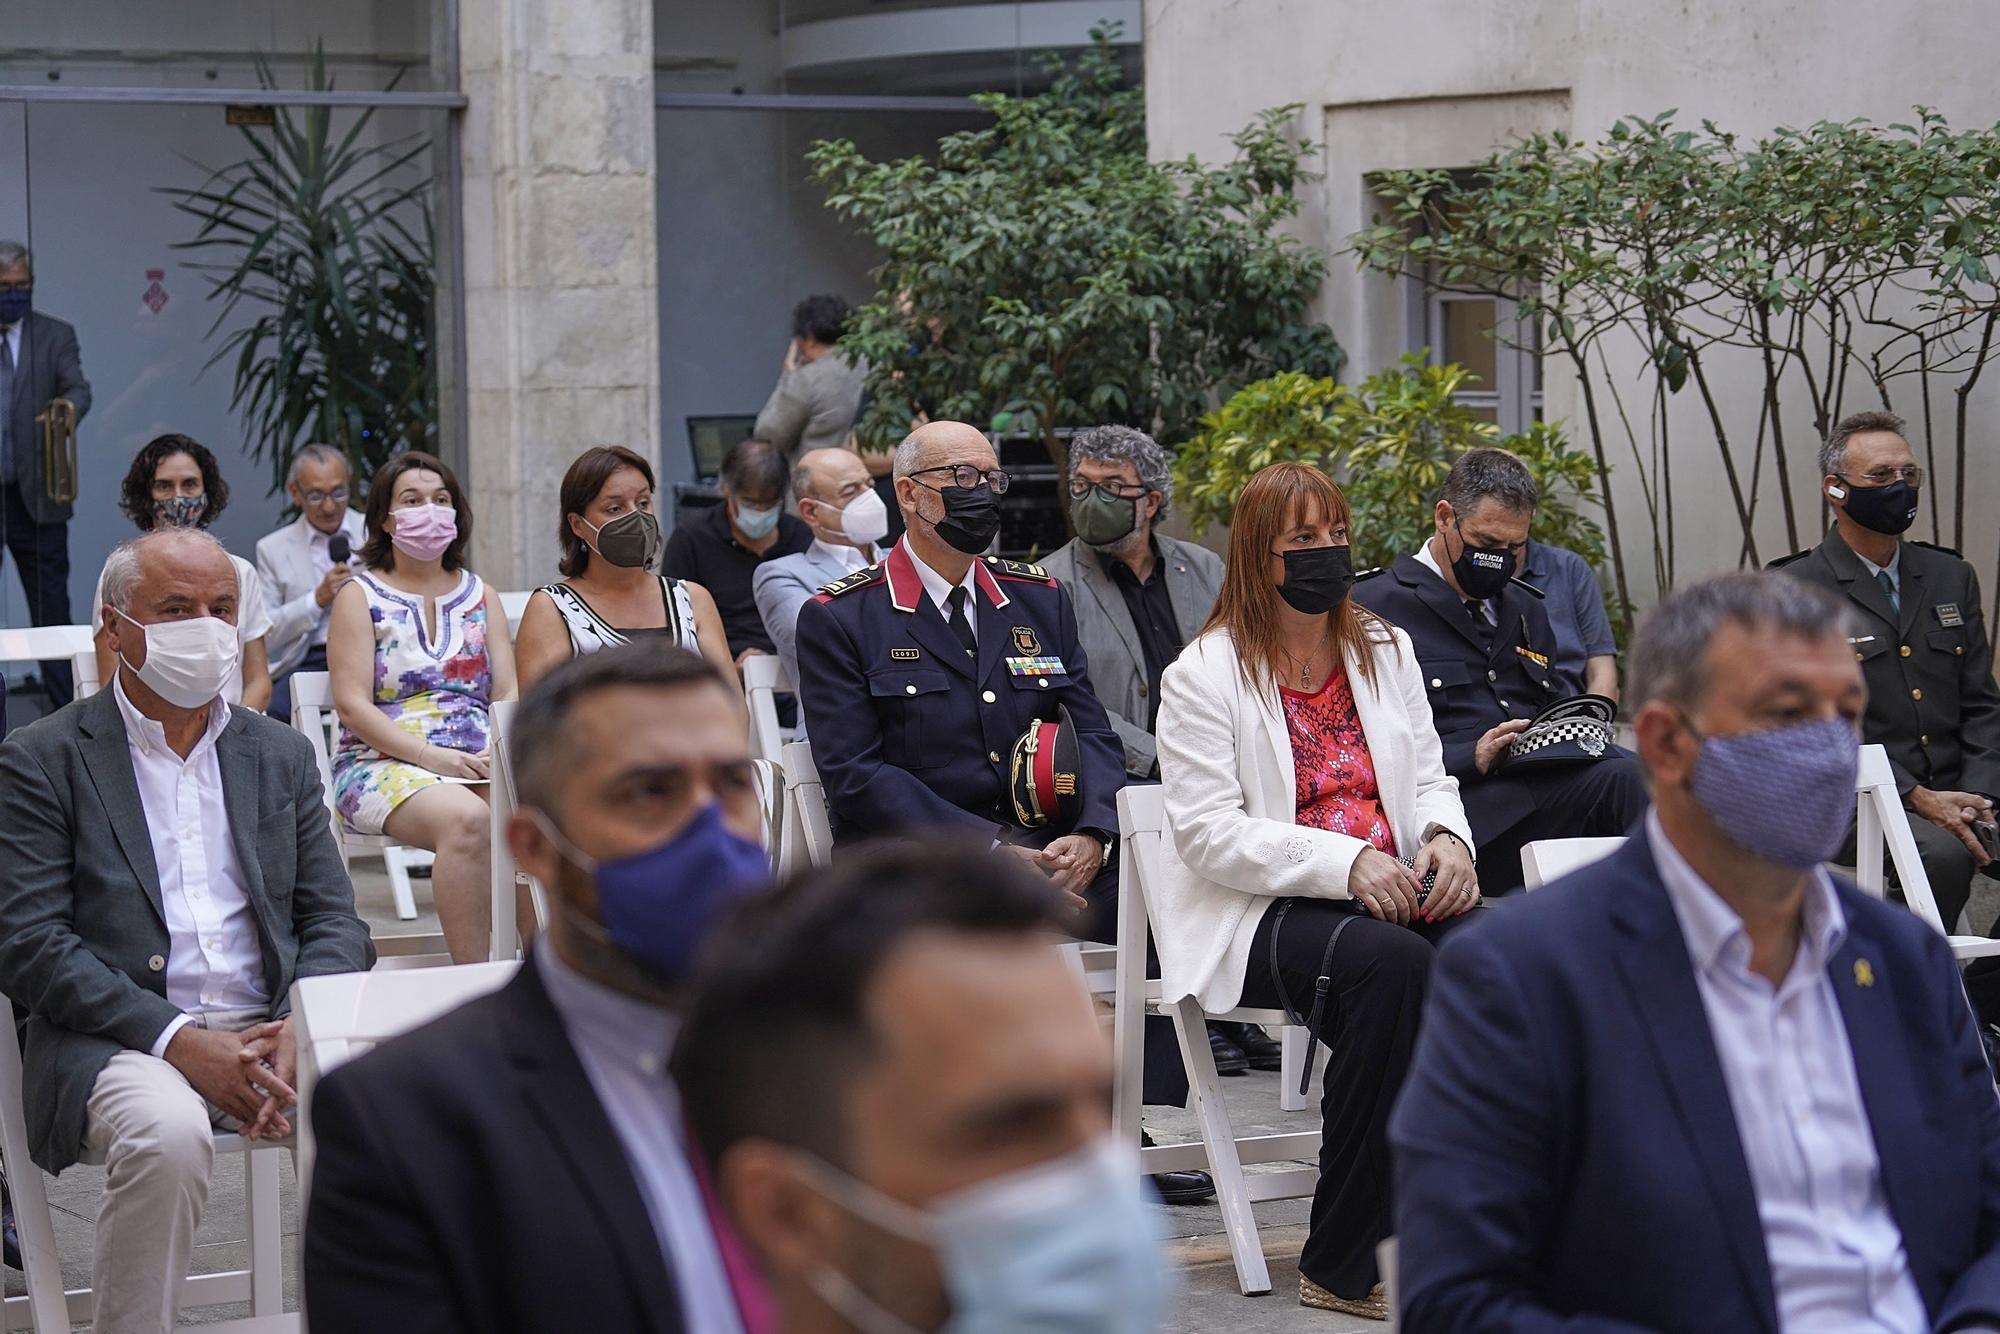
x=919 y=674
x=1484 y=644
x=1921 y=641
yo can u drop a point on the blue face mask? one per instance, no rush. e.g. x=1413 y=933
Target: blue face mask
x=15 y=305
x=1066 y=1245
x=1783 y=793
x=659 y=906
x=756 y=523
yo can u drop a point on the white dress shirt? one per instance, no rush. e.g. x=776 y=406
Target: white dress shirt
x=214 y=960
x=14 y=334
x=291 y=562
x=939 y=590
x=1894 y=569
x=624 y=1043
x=1836 y=1254
x=848 y=558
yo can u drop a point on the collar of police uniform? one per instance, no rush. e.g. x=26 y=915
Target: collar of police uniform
x=906 y=586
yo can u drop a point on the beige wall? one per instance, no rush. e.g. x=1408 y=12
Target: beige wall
x=1427 y=83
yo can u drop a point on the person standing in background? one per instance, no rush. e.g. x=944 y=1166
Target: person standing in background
x=304 y=564
x=819 y=388
x=39 y=363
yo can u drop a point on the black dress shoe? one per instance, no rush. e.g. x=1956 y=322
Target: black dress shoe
x=1229 y=1058
x=1179 y=1187
x=1262 y=1050
x=10 y=1240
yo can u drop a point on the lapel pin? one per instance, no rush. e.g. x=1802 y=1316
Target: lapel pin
x=1864 y=973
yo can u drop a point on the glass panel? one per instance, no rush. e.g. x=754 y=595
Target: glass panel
x=1468 y=336
x=1482 y=407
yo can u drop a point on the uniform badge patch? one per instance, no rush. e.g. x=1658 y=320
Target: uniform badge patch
x=904 y=654
x=1025 y=640
x=1948 y=614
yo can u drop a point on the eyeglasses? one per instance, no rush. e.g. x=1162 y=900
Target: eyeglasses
x=1913 y=474
x=1078 y=489
x=966 y=477
x=338 y=495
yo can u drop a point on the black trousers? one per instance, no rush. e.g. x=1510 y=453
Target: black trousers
x=41 y=558
x=1165 y=1077
x=1947 y=864
x=1380 y=975
x=281 y=687
x=1596 y=800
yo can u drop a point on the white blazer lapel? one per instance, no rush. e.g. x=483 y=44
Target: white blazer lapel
x=1268 y=708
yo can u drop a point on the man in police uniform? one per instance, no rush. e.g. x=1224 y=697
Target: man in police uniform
x=918 y=674
x=1484 y=644
x=1922 y=645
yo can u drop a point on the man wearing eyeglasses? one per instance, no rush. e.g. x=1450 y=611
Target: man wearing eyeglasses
x=1922 y=645
x=305 y=563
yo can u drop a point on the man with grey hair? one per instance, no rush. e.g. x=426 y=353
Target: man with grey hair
x=166 y=872
x=39 y=363
x=1487 y=651
x=1921 y=641
x=305 y=563
x=1707 y=1005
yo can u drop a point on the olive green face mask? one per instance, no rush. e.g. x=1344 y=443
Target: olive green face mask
x=631 y=540
x=1102 y=519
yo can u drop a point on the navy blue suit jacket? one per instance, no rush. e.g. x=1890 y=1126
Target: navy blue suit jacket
x=1566 y=1157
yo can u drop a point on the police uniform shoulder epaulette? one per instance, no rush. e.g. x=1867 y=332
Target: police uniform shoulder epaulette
x=1019 y=569
x=1370 y=574
x=1524 y=584
x=1949 y=551
x=1782 y=561
x=848 y=582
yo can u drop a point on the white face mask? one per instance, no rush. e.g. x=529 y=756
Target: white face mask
x=865 y=521
x=187 y=662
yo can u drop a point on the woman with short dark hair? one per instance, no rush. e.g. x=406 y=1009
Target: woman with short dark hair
x=176 y=482
x=417 y=652
x=609 y=594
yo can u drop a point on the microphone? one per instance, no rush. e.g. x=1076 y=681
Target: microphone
x=339 y=548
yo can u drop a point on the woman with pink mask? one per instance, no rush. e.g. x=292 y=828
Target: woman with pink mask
x=417 y=650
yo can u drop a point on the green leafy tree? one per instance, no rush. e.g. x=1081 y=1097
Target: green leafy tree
x=1041 y=273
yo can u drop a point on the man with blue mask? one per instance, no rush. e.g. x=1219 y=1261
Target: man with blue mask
x=521 y=1164
x=904 y=1097
x=723 y=547
x=1703 y=1084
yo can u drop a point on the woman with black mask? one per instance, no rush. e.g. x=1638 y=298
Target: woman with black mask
x=1316 y=836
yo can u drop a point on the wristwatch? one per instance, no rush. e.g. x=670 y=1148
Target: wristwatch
x=1106 y=839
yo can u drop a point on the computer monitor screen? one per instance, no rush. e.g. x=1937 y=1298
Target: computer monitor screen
x=712 y=437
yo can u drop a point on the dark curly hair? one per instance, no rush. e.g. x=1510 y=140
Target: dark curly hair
x=580 y=485
x=135 y=494
x=378 y=552
x=821 y=317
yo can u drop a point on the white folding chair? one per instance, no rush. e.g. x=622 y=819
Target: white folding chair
x=1548 y=859
x=1879 y=819
x=339 y=1016
x=813 y=826
x=1142 y=827
x=515 y=605
x=312 y=717
x=47 y=1309
x=52 y=642
x=764 y=679
x=83 y=672
x=506 y=875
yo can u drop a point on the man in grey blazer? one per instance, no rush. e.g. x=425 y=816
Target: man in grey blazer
x=838 y=501
x=1140 y=597
x=38 y=362
x=167 y=870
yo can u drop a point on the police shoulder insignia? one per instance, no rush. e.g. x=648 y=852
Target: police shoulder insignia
x=859 y=579
x=1020 y=569
x=1370 y=574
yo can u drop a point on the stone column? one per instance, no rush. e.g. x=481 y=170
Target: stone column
x=561 y=265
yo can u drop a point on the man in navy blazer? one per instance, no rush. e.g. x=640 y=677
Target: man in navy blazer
x=1702 y=1085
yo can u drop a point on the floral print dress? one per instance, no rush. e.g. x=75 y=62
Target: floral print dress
x=436 y=691
x=1334 y=773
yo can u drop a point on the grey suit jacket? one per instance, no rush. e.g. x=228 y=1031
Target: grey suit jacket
x=781 y=587
x=54 y=370
x=1111 y=641
x=83 y=930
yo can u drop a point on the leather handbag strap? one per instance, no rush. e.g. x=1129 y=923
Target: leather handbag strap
x=1314 y=1021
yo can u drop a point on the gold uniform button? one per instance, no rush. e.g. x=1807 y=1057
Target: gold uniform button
x=1923 y=741
x=1960 y=650
x=909 y=690
x=993 y=755
x=987 y=696
x=1916 y=694
x=1906 y=650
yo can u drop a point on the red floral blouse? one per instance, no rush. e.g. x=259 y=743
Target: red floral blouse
x=1334 y=773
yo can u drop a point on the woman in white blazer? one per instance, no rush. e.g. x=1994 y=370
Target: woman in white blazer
x=1299 y=764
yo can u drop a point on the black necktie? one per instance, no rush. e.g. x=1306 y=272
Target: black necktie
x=959 y=625
x=1481 y=626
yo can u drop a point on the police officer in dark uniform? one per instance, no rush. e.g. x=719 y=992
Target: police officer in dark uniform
x=1921 y=640
x=919 y=675
x=1484 y=644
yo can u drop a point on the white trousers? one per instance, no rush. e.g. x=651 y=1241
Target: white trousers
x=155 y=1136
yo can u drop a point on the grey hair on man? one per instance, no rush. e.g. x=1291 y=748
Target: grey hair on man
x=323 y=455
x=1833 y=453
x=1668 y=660
x=1489 y=473
x=1121 y=444
x=13 y=252
x=125 y=567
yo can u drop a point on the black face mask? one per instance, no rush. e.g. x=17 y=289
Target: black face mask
x=1482 y=572
x=1888 y=510
x=971 y=517
x=1317 y=579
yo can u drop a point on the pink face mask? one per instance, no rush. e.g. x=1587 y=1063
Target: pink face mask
x=423 y=532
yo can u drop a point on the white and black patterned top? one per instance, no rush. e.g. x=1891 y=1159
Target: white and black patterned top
x=589 y=632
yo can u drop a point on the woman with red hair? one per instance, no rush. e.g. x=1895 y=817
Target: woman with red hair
x=1308 y=808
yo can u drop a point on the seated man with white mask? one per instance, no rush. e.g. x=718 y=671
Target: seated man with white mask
x=838 y=501
x=166 y=872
